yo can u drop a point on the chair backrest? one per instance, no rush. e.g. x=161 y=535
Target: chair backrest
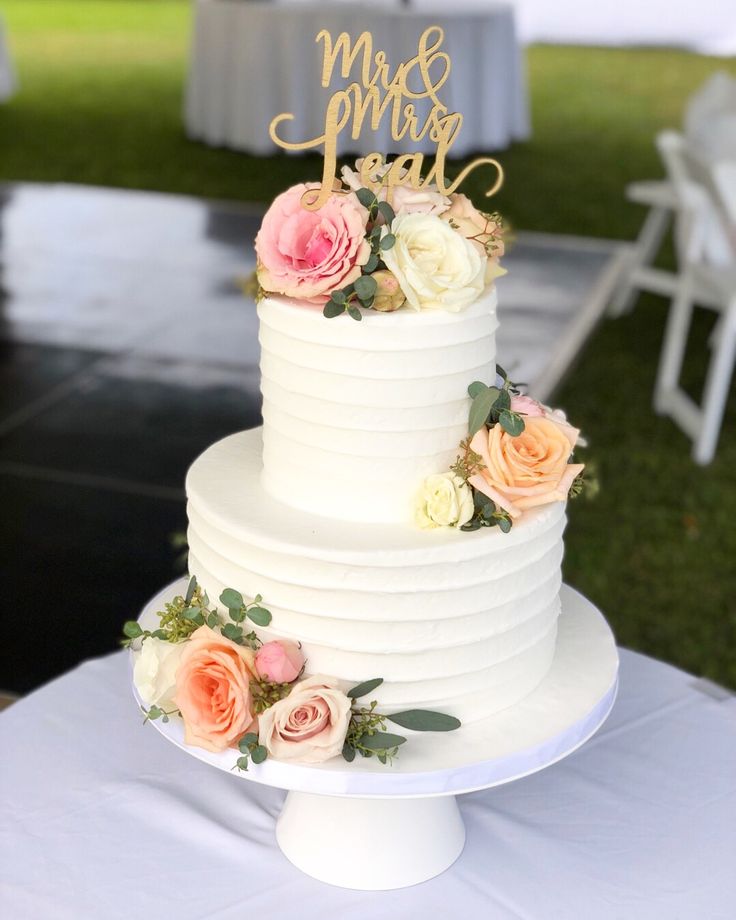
x=703 y=229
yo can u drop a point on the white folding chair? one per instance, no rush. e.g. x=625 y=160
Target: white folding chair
x=637 y=273
x=702 y=279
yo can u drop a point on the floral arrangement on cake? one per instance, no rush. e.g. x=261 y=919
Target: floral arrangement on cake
x=519 y=454
x=232 y=690
x=378 y=247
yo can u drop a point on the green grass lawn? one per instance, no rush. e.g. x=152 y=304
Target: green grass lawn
x=101 y=101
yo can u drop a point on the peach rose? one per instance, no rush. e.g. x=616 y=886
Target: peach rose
x=481 y=229
x=309 y=725
x=280 y=662
x=528 y=470
x=213 y=690
x=308 y=254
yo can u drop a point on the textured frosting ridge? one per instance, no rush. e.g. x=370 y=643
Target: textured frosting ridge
x=465 y=623
x=355 y=415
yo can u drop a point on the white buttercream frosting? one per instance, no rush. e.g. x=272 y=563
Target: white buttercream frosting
x=465 y=623
x=356 y=415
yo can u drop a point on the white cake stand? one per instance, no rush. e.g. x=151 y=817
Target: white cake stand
x=374 y=827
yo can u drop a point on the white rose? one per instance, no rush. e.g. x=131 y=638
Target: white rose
x=437 y=268
x=404 y=198
x=154 y=671
x=445 y=500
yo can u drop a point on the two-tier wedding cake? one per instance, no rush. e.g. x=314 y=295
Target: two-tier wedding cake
x=343 y=511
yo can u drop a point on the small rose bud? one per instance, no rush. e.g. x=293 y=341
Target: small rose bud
x=388 y=296
x=279 y=662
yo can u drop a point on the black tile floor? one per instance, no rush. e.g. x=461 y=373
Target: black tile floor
x=126 y=348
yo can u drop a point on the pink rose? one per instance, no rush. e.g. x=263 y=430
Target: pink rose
x=309 y=725
x=525 y=405
x=528 y=470
x=213 y=690
x=404 y=198
x=308 y=254
x=483 y=231
x=280 y=662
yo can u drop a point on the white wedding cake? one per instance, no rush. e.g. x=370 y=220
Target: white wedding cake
x=317 y=510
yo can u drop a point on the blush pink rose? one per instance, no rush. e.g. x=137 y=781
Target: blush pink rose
x=213 y=690
x=308 y=254
x=280 y=662
x=404 y=198
x=525 y=405
x=528 y=470
x=309 y=725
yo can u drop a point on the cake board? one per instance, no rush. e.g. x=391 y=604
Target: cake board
x=373 y=827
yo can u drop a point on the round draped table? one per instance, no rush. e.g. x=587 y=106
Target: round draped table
x=251 y=61
x=7 y=73
x=100 y=817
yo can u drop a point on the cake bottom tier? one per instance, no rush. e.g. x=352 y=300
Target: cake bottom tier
x=460 y=622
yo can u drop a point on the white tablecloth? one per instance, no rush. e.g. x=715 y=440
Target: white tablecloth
x=102 y=818
x=7 y=74
x=252 y=61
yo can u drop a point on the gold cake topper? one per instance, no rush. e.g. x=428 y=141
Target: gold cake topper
x=379 y=95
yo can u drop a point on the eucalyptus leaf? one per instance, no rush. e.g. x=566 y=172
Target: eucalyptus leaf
x=132 y=629
x=365 y=287
x=348 y=752
x=237 y=615
x=194 y=614
x=258 y=754
x=245 y=742
x=233 y=633
x=382 y=741
x=387 y=241
x=259 y=615
x=366 y=197
x=511 y=422
x=354 y=312
x=372 y=264
x=191 y=588
x=501 y=372
x=338 y=297
x=482 y=501
x=503 y=401
x=242 y=763
x=231 y=598
x=368 y=686
x=386 y=211
x=154 y=713
x=504 y=524
x=480 y=408
x=332 y=309
x=473 y=524
x=159 y=634
x=212 y=620
x=475 y=388
x=424 y=720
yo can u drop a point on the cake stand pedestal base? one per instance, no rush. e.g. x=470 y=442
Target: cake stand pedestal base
x=372 y=827
x=368 y=843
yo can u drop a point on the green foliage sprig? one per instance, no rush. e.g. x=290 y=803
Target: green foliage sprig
x=155 y=712
x=487 y=514
x=179 y=618
x=250 y=750
x=264 y=693
x=492 y=405
x=363 y=290
x=185 y=614
x=367 y=735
